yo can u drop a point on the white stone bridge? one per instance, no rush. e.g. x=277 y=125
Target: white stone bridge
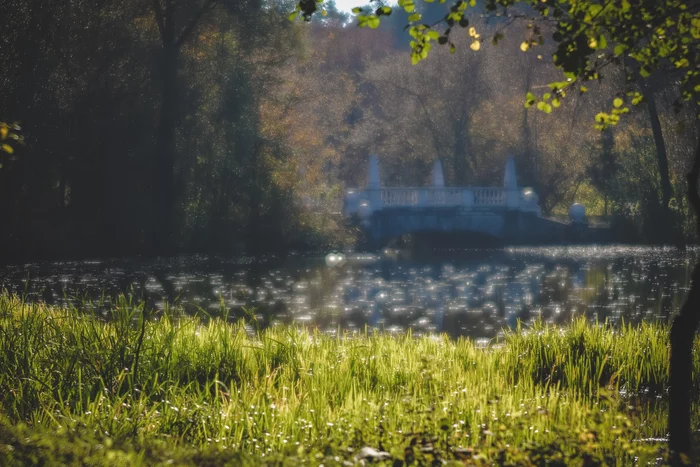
x=508 y=214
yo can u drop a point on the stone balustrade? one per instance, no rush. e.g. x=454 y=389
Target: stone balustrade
x=442 y=197
x=375 y=198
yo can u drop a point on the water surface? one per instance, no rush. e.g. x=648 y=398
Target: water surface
x=474 y=293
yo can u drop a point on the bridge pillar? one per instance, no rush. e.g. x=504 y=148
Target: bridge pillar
x=373 y=181
x=438 y=179
x=467 y=199
x=510 y=183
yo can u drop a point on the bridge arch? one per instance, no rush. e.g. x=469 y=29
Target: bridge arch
x=397 y=222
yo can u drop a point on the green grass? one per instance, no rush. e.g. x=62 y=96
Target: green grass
x=78 y=387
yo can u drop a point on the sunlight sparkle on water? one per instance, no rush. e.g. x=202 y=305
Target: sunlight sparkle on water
x=473 y=293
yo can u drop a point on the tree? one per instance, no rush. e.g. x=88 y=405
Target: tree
x=176 y=23
x=643 y=37
x=603 y=169
x=87 y=85
x=442 y=125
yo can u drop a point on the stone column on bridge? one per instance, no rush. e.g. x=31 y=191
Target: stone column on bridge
x=373 y=181
x=438 y=179
x=510 y=184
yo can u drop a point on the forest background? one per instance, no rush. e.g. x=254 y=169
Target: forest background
x=222 y=127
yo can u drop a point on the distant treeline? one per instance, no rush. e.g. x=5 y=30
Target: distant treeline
x=222 y=127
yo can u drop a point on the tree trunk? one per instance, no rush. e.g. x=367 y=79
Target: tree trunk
x=605 y=205
x=462 y=149
x=254 y=243
x=163 y=169
x=683 y=331
x=662 y=160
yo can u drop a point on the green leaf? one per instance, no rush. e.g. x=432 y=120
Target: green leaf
x=544 y=107
x=695 y=28
x=546 y=96
x=433 y=34
x=357 y=10
x=556 y=102
x=407 y=5
x=414 y=17
x=373 y=21
x=293 y=16
x=619 y=49
x=602 y=42
x=602 y=117
x=530 y=100
x=559 y=84
x=618 y=102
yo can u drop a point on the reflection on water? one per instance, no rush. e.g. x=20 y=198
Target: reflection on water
x=474 y=293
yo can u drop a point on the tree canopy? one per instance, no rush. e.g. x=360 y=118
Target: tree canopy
x=642 y=36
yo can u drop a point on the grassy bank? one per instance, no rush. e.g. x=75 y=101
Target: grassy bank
x=130 y=387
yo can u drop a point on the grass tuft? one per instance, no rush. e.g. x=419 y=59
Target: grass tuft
x=123 y=387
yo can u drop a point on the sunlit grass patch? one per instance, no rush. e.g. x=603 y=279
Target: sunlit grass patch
x=154 y=388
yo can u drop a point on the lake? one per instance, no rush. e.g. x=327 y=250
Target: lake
x=475 y=293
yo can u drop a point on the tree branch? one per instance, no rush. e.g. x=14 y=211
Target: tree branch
x=193 y=22
x=158 y=10
x=421 y=100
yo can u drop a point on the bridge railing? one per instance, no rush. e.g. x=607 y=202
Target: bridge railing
x=407 y=197
x=489 y=196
